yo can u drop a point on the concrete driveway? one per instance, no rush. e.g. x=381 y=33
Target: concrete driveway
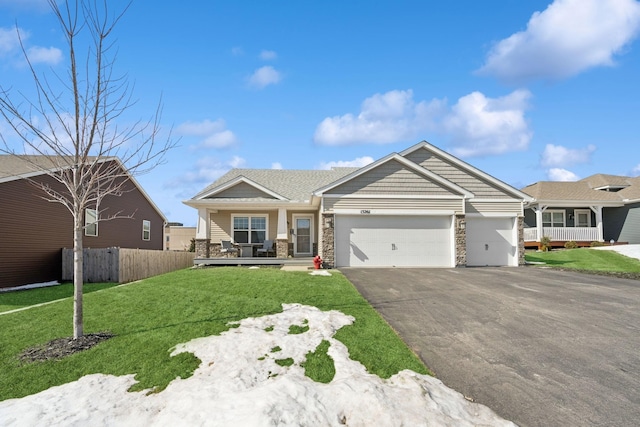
x=538 y=346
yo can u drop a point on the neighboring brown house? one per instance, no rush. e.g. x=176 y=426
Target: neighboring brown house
x=33 y=231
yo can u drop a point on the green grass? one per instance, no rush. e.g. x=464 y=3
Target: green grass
x=319 y=365
x=150 y=317
x=587 y=260
x=19 y=299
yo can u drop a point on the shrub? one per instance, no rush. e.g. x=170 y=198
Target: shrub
x=595 y=244
x=570 y=245
x=545 y=243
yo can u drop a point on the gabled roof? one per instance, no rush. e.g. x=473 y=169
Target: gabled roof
x=14 y=167
x=466 y=167
x=292 y=185
x=407 y=163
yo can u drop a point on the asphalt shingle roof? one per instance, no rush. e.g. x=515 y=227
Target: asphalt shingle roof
x=295 y=185
x=584 y=189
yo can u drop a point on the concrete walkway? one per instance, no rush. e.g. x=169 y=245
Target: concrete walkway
x=540 y=347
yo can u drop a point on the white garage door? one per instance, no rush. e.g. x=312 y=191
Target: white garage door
x=385 y=241
x=491 y=242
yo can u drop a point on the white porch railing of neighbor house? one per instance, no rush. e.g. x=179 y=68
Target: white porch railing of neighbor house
x=565 y=234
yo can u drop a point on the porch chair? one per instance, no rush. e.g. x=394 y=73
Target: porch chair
x=267 y=248
x=227 y=248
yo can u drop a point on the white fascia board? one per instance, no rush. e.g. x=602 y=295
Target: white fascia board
x=575 y=203
x=466 y=166
x=394 y=196
x=395 y=156
x=238 y=180
x=388 y=212
x=492 y=215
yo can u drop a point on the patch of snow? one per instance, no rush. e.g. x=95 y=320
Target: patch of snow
x=320 y=273
x=240 y=383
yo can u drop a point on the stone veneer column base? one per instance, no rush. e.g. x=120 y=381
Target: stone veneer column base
x=328 y=240
x=202 y=248
x=461 y=240
x=282 y=248
x=521 y=260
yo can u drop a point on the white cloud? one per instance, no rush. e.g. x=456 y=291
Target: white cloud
x=276 y=165
x=268 y=55
x=264 y=76
x=46 y=55
x=475 y=125
x=384 y=118
x=636 y=171
x=478 y=125
x=568 y=37
x=9 y=41
x=557 y=155
x=205 y=171
x=213 y=134
x=559 y=174
x=237 y=51
x=355 y=163
x=10 y=47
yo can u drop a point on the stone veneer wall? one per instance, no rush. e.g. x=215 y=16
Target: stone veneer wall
x=282 y=248
x=202 y=248
x=521 y=240
x=461 y=240
x=328 y=255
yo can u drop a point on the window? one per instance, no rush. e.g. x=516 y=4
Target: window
x=553 y=218
x=249 y=229
x=146 y=229
x=583 y=218
x=90 y=222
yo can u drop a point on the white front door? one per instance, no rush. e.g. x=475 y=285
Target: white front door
x=303 y=235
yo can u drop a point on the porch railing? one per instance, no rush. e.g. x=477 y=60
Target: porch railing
x=565 y=234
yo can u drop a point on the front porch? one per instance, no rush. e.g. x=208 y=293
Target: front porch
x=583 y=236
x=254 y=261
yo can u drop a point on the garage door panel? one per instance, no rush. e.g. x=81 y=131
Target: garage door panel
x=491 y=241
x=393 y=241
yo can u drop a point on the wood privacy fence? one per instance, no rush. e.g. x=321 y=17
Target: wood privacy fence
x=124 y=265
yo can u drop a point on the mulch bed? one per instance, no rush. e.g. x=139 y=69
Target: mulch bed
x=62 y=347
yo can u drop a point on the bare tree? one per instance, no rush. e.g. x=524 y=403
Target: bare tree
x=72 y=125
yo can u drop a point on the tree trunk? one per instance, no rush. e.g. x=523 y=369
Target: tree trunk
x=77 y=278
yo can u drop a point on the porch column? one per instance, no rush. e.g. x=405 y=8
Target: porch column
x=598 y=212
x=539 y=230
x=202 y=234
x=282 y=236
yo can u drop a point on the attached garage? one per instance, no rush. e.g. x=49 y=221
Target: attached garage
x=394 y=240
x=491 y=241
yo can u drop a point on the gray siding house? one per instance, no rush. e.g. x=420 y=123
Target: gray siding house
x=420 y=207
x=600 y=208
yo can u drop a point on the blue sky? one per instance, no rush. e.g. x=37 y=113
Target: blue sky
x=524 y=90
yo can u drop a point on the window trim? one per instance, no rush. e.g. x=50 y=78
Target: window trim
x=249 y=216
x=87 y=224
x=146 y=229
x=551 y=212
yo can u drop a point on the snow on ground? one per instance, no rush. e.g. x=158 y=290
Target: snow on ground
x=240 y=383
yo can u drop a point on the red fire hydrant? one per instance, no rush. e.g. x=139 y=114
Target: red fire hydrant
x=317 y=262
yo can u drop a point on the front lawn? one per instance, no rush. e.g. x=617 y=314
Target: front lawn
x=586 y=259
x=150 y=317
x=18 y=299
